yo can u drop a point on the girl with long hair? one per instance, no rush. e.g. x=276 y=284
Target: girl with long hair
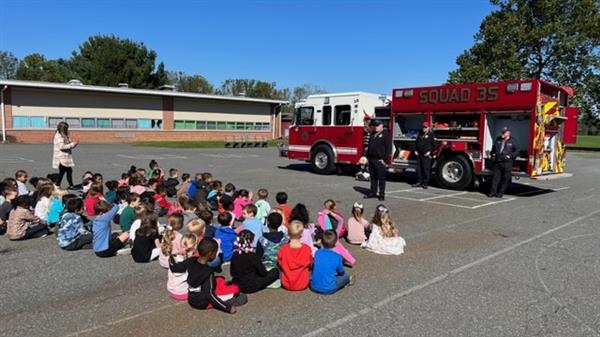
x=62 y=157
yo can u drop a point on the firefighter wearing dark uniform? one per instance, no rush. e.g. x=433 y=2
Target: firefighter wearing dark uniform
x=378 y=151
x=503 y=153
x=424 y=149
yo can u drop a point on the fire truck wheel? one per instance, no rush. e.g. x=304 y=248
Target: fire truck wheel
x=322 y=160
x=454 y=173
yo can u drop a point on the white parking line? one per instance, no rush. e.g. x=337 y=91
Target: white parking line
x=431 y=201
x=493 y=203
x=444 y=196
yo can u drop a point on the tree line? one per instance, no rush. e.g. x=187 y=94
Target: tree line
x=108 y=60
x=554 y=40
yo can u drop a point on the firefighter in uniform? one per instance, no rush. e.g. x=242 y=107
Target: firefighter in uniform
x=378 y=151
x=424 y=149
x=503 y=153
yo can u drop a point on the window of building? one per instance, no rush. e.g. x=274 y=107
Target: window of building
x=53 y=121
x=230 y=126
x=74 y=123
x=117 y=123
x=131 y=123
x=262 y=126
x=326 y=115
x=240 y=125
x=250 y=126
x=342 y=114
x=144 y=124
x=103 y=123
x=29 y=122
x=179 y=124
x=200 y=125
x=88 y=123
x=221 y=125
x=211 y=125
x=304 y=115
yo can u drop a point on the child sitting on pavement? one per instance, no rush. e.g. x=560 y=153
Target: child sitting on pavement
x=269 y=244
x=246 y=268
x=384 y=238
x=295 y=259
x=262 y=205
x=206 y=290
x=328 y=275
x=72 y=233
x=106 y=244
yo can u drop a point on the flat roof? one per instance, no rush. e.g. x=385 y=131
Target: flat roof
x=133 y=91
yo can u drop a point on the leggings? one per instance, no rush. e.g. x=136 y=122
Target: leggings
x=68 y=170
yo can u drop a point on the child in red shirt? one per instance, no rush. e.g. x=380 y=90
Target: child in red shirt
x=295 y=260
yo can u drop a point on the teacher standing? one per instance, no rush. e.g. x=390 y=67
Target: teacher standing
x=62 y=157
x=378 y=151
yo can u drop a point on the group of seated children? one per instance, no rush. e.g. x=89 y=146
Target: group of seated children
x=267 y=247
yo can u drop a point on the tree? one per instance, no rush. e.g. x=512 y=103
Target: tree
x=190 y=83
x=35 y=67
x=110 y=60
x=557 y=41
x=8 y=65
x=249 y=88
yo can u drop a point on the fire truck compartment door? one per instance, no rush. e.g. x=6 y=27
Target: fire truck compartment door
x=570 y=125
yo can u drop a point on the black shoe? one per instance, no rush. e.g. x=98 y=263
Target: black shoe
x=370 y=196
x=498 y=196
x=381 y=198
x=492 y=195
x=425 y=187
x=239 y=299
x=416 y=185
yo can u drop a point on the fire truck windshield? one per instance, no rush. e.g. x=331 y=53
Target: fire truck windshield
x=304 y=115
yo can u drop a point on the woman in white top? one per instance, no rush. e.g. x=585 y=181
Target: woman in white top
x=62 y=158
x=384 y=238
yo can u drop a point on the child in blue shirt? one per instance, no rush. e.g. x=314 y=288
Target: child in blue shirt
x=226 y=234
x=252 y=224
x=262 y=205
x=72 y=234
x=328 y=275
x=105 y=244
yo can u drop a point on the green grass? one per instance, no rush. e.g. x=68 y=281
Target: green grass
x=589 y=142
x=201 y=144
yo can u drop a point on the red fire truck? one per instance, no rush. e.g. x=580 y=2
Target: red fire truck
x=328 y=129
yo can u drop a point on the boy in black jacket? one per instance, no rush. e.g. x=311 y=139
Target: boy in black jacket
x=203 y=286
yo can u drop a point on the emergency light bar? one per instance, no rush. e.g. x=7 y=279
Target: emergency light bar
x=514 y=87
x=403 y=93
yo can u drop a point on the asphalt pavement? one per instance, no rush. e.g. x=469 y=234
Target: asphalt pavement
x=524 y=265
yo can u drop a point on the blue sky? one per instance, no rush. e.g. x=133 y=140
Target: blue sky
x=339 y=45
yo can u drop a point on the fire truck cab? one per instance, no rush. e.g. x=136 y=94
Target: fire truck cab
x=327 y=129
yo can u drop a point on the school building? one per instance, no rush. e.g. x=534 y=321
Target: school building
x=97 y=114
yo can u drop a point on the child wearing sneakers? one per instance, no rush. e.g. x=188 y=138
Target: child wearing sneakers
x=206 y=290
x=328 y=275
x=295 y=259
x=106 y=244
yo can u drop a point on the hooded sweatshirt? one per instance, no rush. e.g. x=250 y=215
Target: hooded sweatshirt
x=202 y=285
x=268 y=247
x=227 y=235
x=295 y=266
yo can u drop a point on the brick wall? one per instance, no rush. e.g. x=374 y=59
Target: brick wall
x=126 y=136
x=168 y=114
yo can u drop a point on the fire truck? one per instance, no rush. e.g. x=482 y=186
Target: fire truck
x=328 y=129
